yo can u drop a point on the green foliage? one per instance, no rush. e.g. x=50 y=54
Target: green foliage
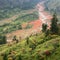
x=59 y=28
x=10 y=8
x=7 y=28
x=47 y=32
x=5 y=57
x=27 y=40
x=54 y=26
x=15 y=39
x=44 y=27
x=28 y=26
x=19 y=57
x=17 y=23
x=7 y=13
x=2 y=39
x=27 y=17
x=38 y=48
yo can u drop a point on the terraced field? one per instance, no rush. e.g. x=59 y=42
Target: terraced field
x=15 y=16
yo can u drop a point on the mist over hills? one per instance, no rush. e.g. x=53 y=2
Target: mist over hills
x=27 y=4
x=53 y=5
x=9 y=6
x=18 y=3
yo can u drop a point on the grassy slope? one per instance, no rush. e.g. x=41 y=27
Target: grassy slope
x=13 y=15
x=23 y=16
x=7 y=13
x=41 y=45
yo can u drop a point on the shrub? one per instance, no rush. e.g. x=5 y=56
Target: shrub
x=19 y=57
x=27 y=40
x=5 y=57
x=47 y=53
x=40 y=57
x=3 y=39
x=47 y=32
x=54 y=25
x=44 y=27
x=55 y=44
x=33 y=46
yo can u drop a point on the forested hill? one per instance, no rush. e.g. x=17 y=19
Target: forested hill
x=9 y=6
x=25 y=4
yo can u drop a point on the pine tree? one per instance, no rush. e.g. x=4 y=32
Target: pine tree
x=44 y=27
x=47 y=32
x=54 y=25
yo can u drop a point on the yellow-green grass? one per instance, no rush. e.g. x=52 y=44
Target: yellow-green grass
x=27 y=53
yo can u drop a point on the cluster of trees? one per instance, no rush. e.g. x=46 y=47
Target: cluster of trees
x=54 y=29
x=7 y=28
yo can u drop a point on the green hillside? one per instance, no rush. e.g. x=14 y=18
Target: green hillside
x=43 y=45
x=8 y=8
x=36 y=47
x=14 y=25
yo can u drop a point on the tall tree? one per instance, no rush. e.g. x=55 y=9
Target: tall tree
x=44 y=27
x=54 y=26
x=47 y=32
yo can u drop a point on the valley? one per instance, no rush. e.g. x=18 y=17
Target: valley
x=32 y=33
x=36 y=26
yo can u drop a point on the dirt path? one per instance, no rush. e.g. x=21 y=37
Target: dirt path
x=37 y=25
